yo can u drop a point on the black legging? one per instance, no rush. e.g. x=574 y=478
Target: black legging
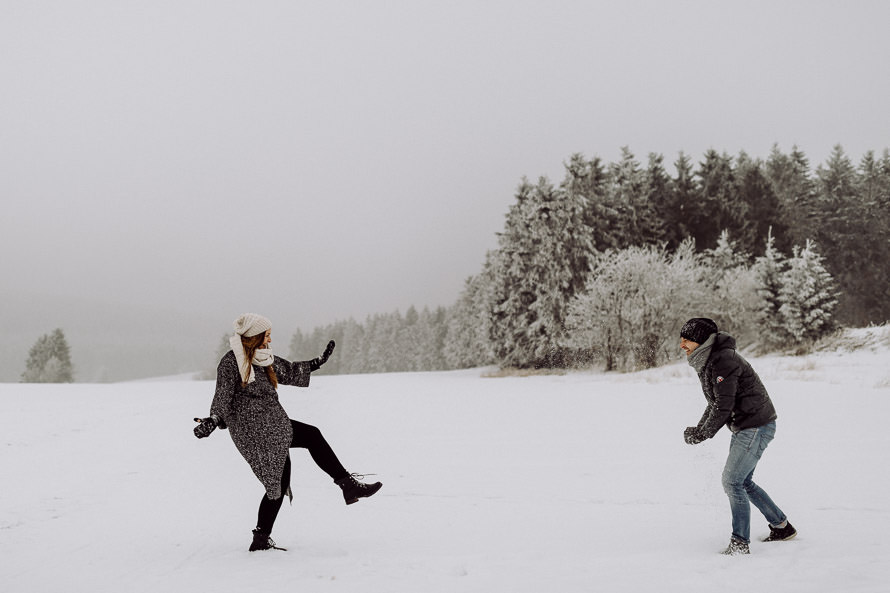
x=305 y=437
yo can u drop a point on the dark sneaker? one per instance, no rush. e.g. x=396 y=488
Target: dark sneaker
x=736 y=547
x=780 y=535
x=262 y=541
x=353 y=489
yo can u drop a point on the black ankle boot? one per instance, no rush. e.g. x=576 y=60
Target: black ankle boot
x=353 y=489
x=262 y=541
x=783 y=534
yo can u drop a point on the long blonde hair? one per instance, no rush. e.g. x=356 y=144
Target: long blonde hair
x=251 y=345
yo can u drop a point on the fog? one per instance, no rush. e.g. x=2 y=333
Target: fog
x=166 y=166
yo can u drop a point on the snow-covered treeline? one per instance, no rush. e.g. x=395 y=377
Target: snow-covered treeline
x=384 y=343
x=606 y=265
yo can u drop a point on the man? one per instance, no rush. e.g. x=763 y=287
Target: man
x=736 y=398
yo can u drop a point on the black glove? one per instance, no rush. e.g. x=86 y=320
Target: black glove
x=692 y=435
x=205 y=427
x=315 y=363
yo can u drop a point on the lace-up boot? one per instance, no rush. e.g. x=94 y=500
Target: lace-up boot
x=262 y=541
x=353 y=489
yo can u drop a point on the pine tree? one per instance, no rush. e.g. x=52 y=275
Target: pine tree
x=873 y=189
x=49 y=360
x=410 y=342
x=870 y=179
x=657 y=188
x=382 y=340
x=758 y=205
x=809 y=296
x=770 y=268
x=510 y=267
x=421 y=340
x=636 y=222
x=725 y=256
x=717 y=208
x=467 y=340
x=535 y=271
x=298 y=345
x=576 y=197
x=789 y=176
x=586 y=188
x=352 y=349
x=683 y=204
x=841 y=232
x=431 y=333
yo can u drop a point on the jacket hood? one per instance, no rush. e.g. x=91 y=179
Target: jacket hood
x=724 y=341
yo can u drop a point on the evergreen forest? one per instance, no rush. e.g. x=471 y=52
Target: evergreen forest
x=604 y=266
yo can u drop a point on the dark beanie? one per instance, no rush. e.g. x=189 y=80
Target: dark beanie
x=698 y=329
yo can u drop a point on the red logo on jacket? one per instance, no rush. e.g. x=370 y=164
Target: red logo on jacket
x=720 y=379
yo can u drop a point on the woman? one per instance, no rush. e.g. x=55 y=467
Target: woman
x=736 y=398
x=246 y=402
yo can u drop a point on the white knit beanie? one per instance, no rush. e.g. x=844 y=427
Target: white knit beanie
x=251 y=324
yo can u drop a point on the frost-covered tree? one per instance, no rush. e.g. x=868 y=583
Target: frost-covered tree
x=512 y=291
x=735 y=302
x=628 y=314
x=535 y=273
x=432 y=327
x=421 y=340
x=49 y=360
x=516 y=311
x=467 y=340
x=352 y=348
x=306 y=346
x=809 y=296
x=410 y=342
x=637 y=222
x=731 y=286
x=382 y=339
x=586 y=187
x=769 y=269
x=386 y=343
x=725 y=256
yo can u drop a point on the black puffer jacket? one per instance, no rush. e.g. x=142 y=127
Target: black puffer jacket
x=736 y=396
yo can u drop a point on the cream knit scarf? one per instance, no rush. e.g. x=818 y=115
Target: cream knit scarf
x=262 y=357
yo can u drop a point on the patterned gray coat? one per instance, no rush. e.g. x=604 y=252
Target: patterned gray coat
x=259 y=426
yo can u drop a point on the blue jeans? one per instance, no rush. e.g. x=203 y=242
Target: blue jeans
x=745 y=450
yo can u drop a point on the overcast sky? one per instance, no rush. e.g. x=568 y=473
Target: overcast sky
x=313 y=161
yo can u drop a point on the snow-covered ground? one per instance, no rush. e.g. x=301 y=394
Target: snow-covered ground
x=578 y=482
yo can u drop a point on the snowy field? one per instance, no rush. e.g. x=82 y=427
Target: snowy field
x=579 y=482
